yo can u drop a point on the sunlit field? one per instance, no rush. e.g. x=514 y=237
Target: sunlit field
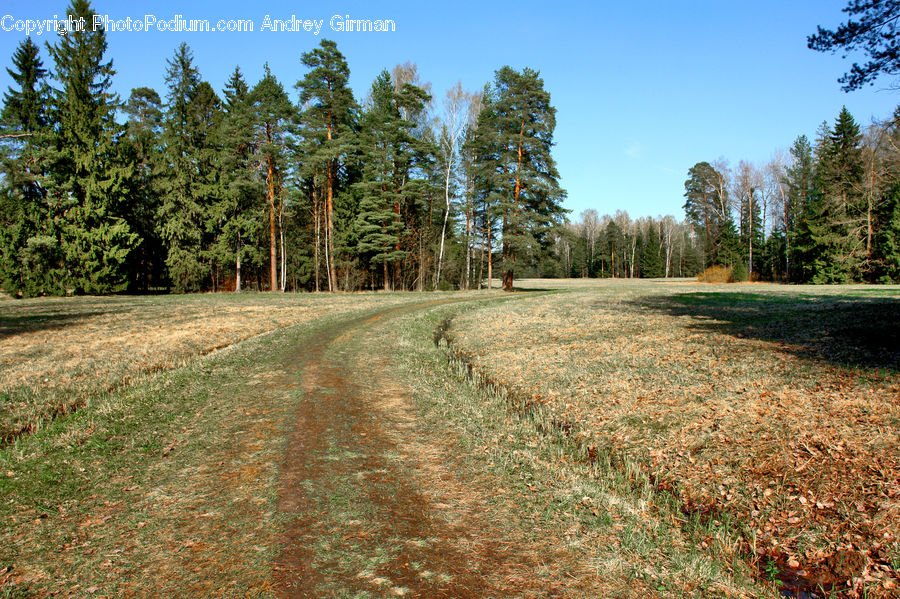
x=58 y=354
x=773 y=407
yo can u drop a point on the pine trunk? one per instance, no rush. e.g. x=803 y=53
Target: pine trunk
x=329 y=226
x=237 y=269
x=273 y=272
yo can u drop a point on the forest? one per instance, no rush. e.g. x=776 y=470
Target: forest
x=247 y=188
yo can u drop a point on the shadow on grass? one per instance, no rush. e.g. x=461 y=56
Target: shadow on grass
x=841 y=329
x=15 y=325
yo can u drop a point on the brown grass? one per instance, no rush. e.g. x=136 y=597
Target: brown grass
x=773 y=408
x=56 y=355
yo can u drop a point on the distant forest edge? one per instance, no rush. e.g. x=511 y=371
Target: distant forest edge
x=248 y=189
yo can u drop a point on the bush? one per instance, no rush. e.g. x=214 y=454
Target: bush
x=739 y=273
x=715 y=274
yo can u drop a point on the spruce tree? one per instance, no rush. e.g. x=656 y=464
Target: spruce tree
x=833 y=221
x=144 y=110
x=30 y=253
x=89 y=176
x=651 y=254
x=887 y=238
x=191 y=184
x=239 y=213
x=800 y=181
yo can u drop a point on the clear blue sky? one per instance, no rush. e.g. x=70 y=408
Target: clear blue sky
x=643 y=90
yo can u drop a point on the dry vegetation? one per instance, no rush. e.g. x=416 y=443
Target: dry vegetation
x=776 y=408
x=167 y=486
x=59 y=354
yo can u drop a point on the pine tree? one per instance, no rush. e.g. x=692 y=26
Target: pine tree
x=328 y=125
x=387 y=150
x=89 y=175
x=273 y=114
x=519 y=165
x=483 y=155
x=706 y=208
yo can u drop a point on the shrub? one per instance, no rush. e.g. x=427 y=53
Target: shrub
x=739 y=273
x=715 y=274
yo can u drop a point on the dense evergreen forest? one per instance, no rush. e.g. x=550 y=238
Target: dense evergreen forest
x=271 y=188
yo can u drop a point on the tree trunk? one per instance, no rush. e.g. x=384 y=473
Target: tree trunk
x=270 y=180
x=508 y=280
x=490 y=257
x=469 y=248
x=237 y=269
x=329 y=226
x=437 y=274
x=317 y=219
x=281 y=243
x=387 y=278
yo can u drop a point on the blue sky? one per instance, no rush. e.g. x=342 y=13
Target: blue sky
x=643 y=90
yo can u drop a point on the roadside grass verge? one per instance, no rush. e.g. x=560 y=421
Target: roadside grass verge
x=774 y=407
x=587 y=528
x=59 y=354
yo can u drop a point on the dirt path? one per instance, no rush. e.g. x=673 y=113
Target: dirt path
x=373 y=509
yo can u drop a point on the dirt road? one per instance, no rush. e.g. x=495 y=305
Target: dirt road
x=372 y=506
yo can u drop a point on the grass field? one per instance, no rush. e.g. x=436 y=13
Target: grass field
x=776 y=408
x=622 y=439
x=58 y=354
x=164 y=483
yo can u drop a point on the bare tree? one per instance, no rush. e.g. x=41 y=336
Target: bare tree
x=451 y=138
x=590 y=222
x=669 y=237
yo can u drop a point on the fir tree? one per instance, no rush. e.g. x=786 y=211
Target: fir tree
x=30 y=253
x=89 y=175
x=239 y=213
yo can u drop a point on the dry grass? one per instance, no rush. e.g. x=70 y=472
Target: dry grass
x=776 y=406
x=167 y=486
x=57 y=355
x=597 y=531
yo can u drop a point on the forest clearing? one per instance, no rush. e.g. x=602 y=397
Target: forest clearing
x=571 y=439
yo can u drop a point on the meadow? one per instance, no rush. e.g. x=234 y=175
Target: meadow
x=774 y=408
x=612 y=438
x=57 y=354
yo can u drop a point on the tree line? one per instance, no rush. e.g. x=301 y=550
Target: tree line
x=824 y=212
x=617 y=246
x=198 y=190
